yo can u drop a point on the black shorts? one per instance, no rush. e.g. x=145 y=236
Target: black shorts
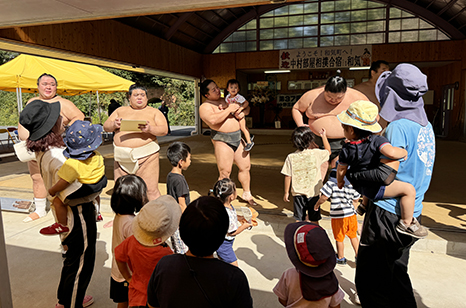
x=118 y=291
x=89 y=189
x=335 y=145
x=371 y=183
x=303 y=204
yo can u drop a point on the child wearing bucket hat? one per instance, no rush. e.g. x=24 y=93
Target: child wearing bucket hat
x=138 y=254
x=370 y=162
x=84 y=164
x=312 y=282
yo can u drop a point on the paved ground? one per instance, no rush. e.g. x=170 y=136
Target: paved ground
x=437 y=264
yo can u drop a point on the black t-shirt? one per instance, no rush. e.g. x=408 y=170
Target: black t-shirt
x=173 y=285
x=362 y=154
x=178 y=187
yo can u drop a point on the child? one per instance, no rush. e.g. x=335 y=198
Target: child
x=311 y=283
x=342 y=212
x=179 y=155
x=363 y=153
x=129 y=195
x=197 y=279
x=232 y=98
x=138 y=255
x=302 y=170
x=225 y=191
x=84 y=164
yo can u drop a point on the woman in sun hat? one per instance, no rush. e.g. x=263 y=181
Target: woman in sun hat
x=383 y=255
x=45 y=125
x=138 y=254
x=311 y=283
x=84 y=164
x=363 y=152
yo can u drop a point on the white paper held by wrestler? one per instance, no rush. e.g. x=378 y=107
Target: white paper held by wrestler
x=131 y=125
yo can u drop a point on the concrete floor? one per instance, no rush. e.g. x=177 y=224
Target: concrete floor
x=437 y=264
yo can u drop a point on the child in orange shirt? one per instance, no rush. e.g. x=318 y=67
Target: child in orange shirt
x=138 y=255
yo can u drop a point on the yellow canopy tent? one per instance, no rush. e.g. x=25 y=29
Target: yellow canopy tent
x=21 y=73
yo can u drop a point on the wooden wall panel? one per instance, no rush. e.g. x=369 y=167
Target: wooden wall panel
x=111 y=40
x=261 y=59
x=418 y=52
x=220 y=68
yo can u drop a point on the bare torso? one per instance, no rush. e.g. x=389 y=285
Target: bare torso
x=368 y=89
x=68 y=111
x=321 y=114
x=135 y=139
x=210 y=109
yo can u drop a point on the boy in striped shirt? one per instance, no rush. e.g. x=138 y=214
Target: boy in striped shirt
x=342 y=213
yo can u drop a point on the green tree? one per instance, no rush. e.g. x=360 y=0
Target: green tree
x=179 y=94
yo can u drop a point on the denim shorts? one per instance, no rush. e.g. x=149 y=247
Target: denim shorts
x=225 y=251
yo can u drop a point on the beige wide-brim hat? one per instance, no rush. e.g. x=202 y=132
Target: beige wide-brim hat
x=157 y=221
x=361 y=114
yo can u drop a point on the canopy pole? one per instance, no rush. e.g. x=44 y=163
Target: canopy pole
x=98 y=107
x=19 y=100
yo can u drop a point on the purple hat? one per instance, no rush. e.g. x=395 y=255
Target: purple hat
x=400 y=94
x=82 y=139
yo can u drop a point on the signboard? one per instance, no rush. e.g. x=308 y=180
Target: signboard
x=326 y=57
x=262 y=83
x=287 y=100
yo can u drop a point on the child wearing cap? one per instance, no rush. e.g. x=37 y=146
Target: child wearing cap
x=84 y=164
x=138 y=254
x=344 y=222
x=311 y=282
x=302 y=171
x=370 y=162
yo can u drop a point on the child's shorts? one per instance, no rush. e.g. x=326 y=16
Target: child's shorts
x=225 y=251
x=303 y=204
x=344 y=226
x=118 y=291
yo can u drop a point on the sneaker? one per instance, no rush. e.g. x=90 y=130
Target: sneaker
x=55 y=229
x=356 y=299
x=361 y=209
x=251 y=137
x=341 y=261
x=249 y=146
x=99 y=218
x=87 y=301
x=414 y=229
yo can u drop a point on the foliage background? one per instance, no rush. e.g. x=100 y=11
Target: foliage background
x=179 y=96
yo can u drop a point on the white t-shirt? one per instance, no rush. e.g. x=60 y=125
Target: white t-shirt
x=238 y=99
x=304 y=169
x=233 y=222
